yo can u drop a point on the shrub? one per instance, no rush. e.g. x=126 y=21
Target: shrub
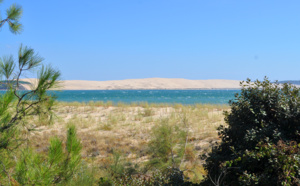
x=263 y=112
x=166 y=146
x=270 y=164
x=170 y=176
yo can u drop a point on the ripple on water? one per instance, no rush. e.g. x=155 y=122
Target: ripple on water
x=151 y=96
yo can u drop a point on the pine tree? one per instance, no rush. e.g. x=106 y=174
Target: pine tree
x=13 y=16
x=57 y=168
x=20 y=165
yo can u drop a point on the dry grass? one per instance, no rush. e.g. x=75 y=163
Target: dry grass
x=126 y=128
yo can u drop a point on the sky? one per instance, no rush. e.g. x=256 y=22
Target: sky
x=132 y=39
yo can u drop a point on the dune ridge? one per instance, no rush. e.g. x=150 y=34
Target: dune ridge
x=148 y=83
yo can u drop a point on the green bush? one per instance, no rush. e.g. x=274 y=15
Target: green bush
x=263 y=112
x=270 y=164
x=166 y=147
x=170 y=176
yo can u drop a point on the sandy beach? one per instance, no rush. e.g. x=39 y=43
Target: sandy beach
x=148 y=83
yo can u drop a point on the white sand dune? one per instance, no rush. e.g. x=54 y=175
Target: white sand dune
x=149 y=83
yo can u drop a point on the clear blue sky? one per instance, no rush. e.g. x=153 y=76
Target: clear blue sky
x=192 y=39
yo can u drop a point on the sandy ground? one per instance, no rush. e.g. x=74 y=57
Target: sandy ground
x=104 y=129
x=149 y=83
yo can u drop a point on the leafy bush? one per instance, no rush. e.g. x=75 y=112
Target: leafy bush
x=263 y=112
x=270 y=164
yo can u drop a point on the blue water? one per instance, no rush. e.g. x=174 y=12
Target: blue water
x=150 y=96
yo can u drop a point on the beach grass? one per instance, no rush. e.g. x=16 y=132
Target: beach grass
x=105 y=129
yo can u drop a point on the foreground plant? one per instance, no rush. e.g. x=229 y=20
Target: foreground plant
x=17 y=105
x=166 y=147
x=270 y=164
x=262 y=115
x=58 y=167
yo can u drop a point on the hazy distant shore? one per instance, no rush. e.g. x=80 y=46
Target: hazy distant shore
x=145 y=84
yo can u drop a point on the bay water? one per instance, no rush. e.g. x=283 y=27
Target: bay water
x=150 y=96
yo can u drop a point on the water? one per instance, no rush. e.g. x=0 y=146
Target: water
x=150 y=96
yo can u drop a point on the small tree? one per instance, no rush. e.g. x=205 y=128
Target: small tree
x=263 y=113
x=166 y=146
x=20 y=165
x=58 y=167
x=16 y=105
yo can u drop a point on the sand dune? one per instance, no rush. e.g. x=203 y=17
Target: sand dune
x=149 y=83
